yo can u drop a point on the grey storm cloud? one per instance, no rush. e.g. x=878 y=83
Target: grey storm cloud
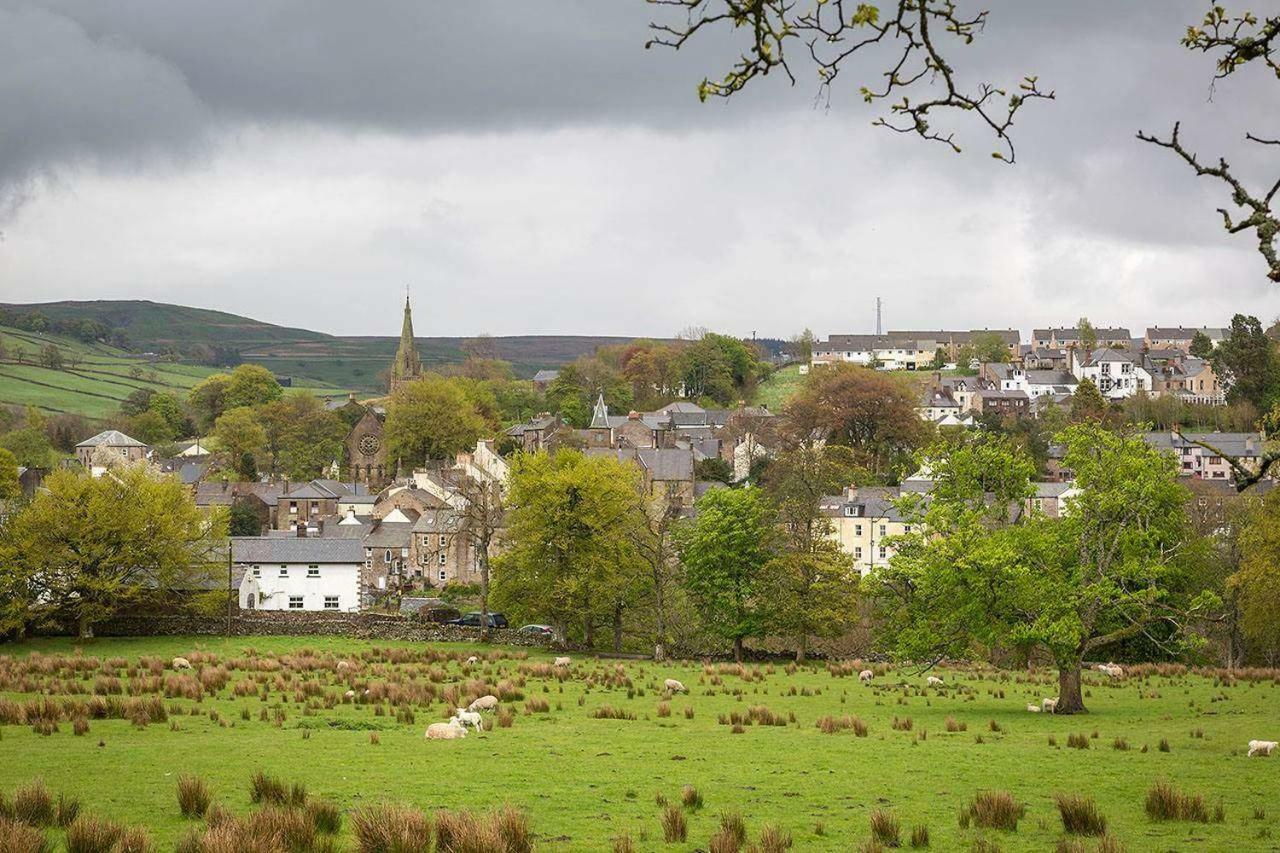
x=209 y=95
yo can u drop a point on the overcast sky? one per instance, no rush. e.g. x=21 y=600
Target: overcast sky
x=527 y=167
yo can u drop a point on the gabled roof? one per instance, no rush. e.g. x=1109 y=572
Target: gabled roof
x=1170 y=333
x=666 y=463
x=600 y=414
x=1109 y=354
x=111 y=438
x=296 y=549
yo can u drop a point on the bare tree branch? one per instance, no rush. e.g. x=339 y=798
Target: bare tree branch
x=833 y=31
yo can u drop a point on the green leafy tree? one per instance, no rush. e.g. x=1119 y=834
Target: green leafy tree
x=1247 y=363
x=1201 y=345
x=91 y=547
x=207 y=400
x=725 y=551
x=170 y=408
x=51 y=357
x=811 y=583
x=252 y=385
x=150 y=428
x=30 y=444
x=431 y=418
x=714 y=469
x=240 y=434
x=1087 y=402
x=990 y=348
x=138 y=401
x=301 y=436
x=571 y=535
x=1088 y=334
x=1258 y=578
x=10 y=486
x=869 y=411
x=243 y=520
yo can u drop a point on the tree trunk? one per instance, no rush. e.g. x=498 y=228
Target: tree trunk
x=589 y=638
x=737 y=649
x=1070 y=699
x=86 y=628
x=802 y=646
x=659 y=652
x=617 y=628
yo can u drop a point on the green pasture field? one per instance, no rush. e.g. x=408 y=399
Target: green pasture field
x=584 y=781
x=780 y=387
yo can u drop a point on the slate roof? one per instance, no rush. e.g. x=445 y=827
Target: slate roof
x=111 y=438
x=546 y=375
x=667 y=464
x=390 y=534
x=296 y=549
x=1234 y=443
x=1169 y=333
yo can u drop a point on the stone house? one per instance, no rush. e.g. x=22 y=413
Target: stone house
x=109 y=446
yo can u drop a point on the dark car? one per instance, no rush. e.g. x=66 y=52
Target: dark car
x=472 y=620
x=537 y=630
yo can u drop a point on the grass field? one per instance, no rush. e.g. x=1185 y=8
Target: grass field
x=584 y=781
x=775 y=391
x=96 y=377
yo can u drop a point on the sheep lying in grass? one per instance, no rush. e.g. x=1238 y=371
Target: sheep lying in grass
x=1033 y=708
x=446 y=731
x=468 y=718
x=484 y=703
x=1111 y=669
x=866 y=675
x=1262 y=747
x=181 y=663
x=343 y=665
x=674 y=686
x=562 y=662
x=1048 y=705
x=350 y=694
x=934 y=681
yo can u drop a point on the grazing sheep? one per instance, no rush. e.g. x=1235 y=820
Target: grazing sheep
x=562 y=662
x=181 y=663
x=934 y=681
x=1262 y=747
x=866 y=675
x=473 y=660
x=1112 y=670
x=469 y=718
x=446 y=731
x=1033 y=708
x=1048 y=705
x=343 y=665
x=350 y=694
x=484 y=703
x=674 y=686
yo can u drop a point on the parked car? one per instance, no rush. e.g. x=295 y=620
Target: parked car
x=537 y=630
x=472 y=620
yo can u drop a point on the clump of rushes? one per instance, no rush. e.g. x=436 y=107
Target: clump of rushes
x=994 y=810
x=1165 y=802
x=386 y=828
x=193 y=796
x=674 y=827
x=885 y=828
x=690 y=797
x=920 y=837
x=1080 y=815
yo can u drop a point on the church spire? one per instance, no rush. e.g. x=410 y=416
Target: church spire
x=407 y=366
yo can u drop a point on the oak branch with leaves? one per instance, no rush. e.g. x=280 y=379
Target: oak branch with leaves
x=911 y=33
x=1236 y=41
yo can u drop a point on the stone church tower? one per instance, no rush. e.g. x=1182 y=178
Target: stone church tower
x=406 y=367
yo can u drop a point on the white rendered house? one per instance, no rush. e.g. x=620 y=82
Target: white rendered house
x=298 y=572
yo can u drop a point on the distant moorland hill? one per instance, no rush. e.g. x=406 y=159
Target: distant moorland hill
x=214 y=338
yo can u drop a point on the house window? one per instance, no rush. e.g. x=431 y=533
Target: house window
x=442 y=574
x=284 y=571
x=857 y=553
x=386 y=557
x=313 y=571
x=257 y=571
x=295 y=602
x=883 y=530
x=443 y=557
x=882 y=552
x=857 y=530
x=443 y=540
x=293 y=507
x=368 y=564
x=330 y=602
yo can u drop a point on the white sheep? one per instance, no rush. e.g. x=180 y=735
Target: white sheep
x=181 y=663
x=469 y=718
x=350 y=694
x=674 y=686
x=562 y=662
x=343 y=665
x=866 y=675
x=446 y=731
x=1033 y=707
x=1112 y=670
x=934 y=681
x=1262 y=747
x=484 y=703
x=1048 y=705
x=473 y=660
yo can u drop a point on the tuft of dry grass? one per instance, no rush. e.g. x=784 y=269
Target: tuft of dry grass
x=773 y=839
x=1080 y=815
x=325 y=816
x=1165 y=802
x=1078 y=741
x=537 y=705
x=1164 y=745
x=993 y=810
x=18 y=837
x=674 y=828
x=691 y=798
x=89 y=834
x=885 y=828
x=193 y=796
x=920 y=837
x=387 y=828
x=664 y=709
x=33 y=804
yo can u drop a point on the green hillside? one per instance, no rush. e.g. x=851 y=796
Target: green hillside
x=310 y=357
x=93 y=378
